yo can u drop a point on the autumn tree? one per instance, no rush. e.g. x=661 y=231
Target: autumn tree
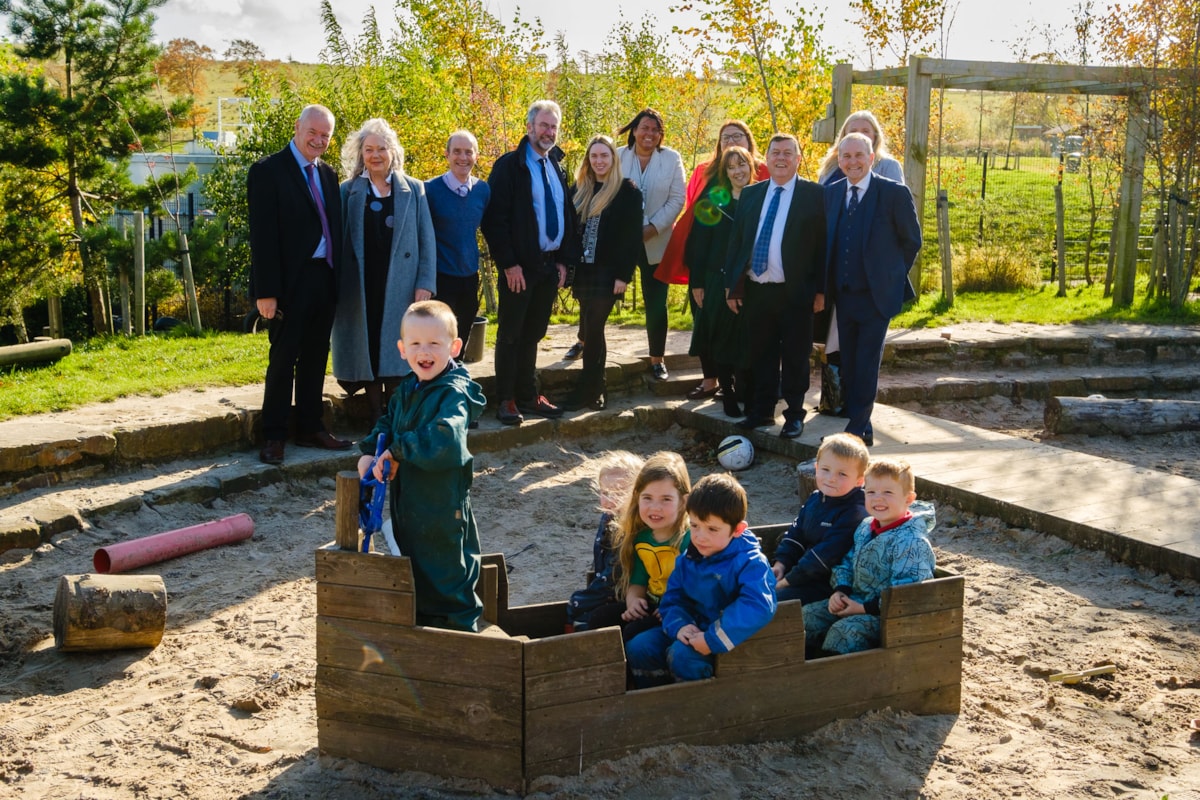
x=82 y=124
x=183 y=68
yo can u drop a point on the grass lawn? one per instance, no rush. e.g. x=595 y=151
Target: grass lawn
x=106 y=368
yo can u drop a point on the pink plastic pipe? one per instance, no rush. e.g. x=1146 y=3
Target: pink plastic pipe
x=162 y=546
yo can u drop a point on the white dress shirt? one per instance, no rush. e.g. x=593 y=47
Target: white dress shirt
x=774 y=271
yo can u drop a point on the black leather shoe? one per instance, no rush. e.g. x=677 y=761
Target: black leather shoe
x=792 y=429
x=596 y=403
x=508 y=414
x=539 y=407
x=322 y=440
x=750 y=423
x=868 y=439
x=659 y=371
x=272 y=452
x=700 y=393
x=574 y=352
x=731 y=407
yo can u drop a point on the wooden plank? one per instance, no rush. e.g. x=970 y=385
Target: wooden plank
x=919 y=598
x=535 y=621
x=500 y=766
x=942 y=700
x=586 y=684
x=572 y=651
x=466 y=659
x=371 y=605
x=770 y=652
x=769 y=536
x=497 y=560
x=652 y=716
x=471 y=713
x=345 y=521
x=928 y=627
x=488 y=590
x=368 y=570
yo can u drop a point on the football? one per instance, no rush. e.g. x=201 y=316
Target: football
x=735 y=453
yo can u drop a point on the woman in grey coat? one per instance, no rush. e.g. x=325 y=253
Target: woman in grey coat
x=390 y=261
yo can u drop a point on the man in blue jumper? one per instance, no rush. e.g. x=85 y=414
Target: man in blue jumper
x=457 y=200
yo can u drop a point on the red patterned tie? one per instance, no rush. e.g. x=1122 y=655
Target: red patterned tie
x=314 y=186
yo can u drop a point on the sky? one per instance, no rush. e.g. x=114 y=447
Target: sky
x=984 y=30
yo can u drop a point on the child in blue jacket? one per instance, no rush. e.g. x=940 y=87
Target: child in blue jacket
x=891 y=548
x=720 y=593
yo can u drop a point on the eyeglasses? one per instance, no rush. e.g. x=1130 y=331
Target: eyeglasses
x=726 y=138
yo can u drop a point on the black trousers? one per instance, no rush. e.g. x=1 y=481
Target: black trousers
x=779 y=336
x=299 y=353
x=523 y=320
x=593 y=316
x=461 y=293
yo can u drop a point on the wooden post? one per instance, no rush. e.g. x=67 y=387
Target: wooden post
x=345 y=530
x=126 y=312
x=1129 y=208
x=189 y=283
x=54 y=312
x=916 y=154
x=139 y=273
x=109 y=612
x=1060 y=235
x=943 y=228
x=843 y=92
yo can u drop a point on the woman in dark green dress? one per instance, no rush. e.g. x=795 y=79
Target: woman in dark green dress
x=717 y=333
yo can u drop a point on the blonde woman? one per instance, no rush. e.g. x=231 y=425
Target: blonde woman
x=389 y=261
x=609 y=210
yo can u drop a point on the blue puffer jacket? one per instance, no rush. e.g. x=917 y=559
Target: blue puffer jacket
x=730 y=595
x=895 y=557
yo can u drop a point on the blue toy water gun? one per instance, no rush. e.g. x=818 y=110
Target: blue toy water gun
x=371 y=492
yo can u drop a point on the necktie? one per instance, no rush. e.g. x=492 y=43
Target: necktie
x=853 y=200
x=762 y=245
x=548 y=205
x=462 y=190
x=314 y=186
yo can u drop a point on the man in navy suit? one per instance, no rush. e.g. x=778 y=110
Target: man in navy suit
x=295 y=252
x=873 y=238
x=777 y=246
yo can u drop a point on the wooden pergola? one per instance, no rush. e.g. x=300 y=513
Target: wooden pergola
x=923 y=74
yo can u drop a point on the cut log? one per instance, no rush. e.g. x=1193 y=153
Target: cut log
x=1100 y=415
x=109 y=612
x=39 y=351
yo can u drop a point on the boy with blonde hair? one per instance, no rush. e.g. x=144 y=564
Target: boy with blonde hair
x=891 y=548
x=823 y=531
x=426 y=437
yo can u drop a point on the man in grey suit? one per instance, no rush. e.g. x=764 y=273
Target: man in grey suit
x=295 y=253
x=874 y=237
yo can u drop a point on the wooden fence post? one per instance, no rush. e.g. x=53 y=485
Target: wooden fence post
x=943 y=226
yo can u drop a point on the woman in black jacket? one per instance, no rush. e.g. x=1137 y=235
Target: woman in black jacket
x=609 y=211
x=717 y=333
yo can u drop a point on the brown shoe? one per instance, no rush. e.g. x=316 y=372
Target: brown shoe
x=272 y=452
x=322 y=440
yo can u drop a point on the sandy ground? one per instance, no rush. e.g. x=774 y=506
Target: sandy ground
x=224 y=707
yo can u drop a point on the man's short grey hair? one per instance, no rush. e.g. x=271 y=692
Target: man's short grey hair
x=542 y=105
x=857 y=137
x=462 y=133
x=315 y=108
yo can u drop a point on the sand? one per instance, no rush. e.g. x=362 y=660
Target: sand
x=224 y=707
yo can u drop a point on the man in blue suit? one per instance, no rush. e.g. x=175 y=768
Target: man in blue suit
x=873 y=237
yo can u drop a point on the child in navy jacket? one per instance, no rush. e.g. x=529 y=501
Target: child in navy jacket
x=823 y=532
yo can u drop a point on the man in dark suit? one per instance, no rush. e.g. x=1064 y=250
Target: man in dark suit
x=874 y=237
x=530 y=229
x=295 y=252
x=775 y=274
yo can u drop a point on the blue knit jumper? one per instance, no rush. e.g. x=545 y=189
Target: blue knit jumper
x=455 y=223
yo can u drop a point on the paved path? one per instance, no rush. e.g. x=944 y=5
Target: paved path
x=61 y=467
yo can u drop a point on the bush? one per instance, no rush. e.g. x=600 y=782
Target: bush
x=995 y=268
